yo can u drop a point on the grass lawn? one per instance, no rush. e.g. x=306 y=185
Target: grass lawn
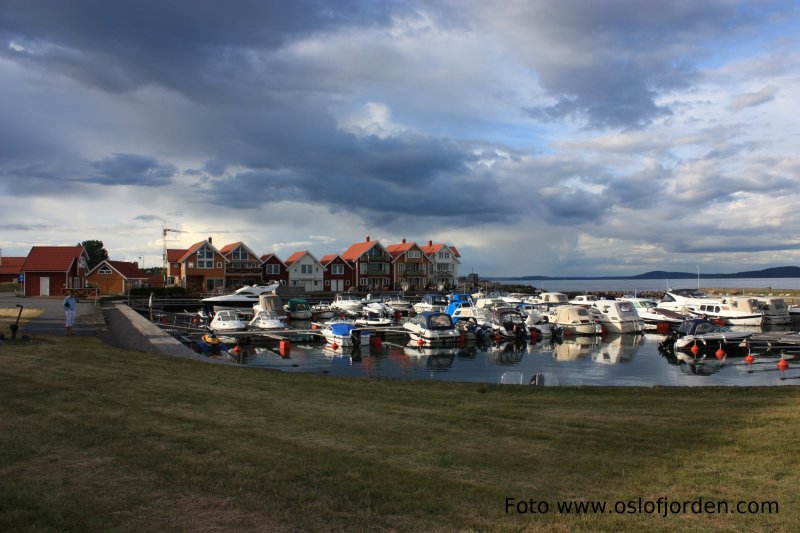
x=97 y=439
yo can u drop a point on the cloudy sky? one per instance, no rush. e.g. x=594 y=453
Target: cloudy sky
x=577 y=137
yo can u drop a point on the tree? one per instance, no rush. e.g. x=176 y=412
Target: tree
x=96 y=252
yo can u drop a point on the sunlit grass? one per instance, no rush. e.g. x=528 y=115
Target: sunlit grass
x=93 y=438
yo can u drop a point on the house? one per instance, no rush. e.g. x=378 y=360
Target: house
x=445 y=262
x=305 y=271
x=338 y=275
x=10 y=269
x=174 y=272
x=371 y=265
x=117 y=277
x=51 y=270
x=202 y=267
x=410 y=266
x=243 y=267
x=274 y=270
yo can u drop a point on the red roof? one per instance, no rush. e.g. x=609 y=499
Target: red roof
x=295 y=257
x=358 y=249
x=267 y=257
x=328 y=258
x=229 y=247
x=127 y=269
x=193 y=248
x=399 y=249
x=51 y=258
x=174 y=255
x=432 y=248
x=11 y=265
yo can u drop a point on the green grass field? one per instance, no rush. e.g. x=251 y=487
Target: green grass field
x=96 y=439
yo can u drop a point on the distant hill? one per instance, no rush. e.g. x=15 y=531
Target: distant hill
x=776 y=272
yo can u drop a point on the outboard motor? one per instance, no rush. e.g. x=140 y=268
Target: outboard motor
x=537 y=380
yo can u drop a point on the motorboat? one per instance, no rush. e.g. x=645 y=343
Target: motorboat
x=376 y=314
x=344 y=301
x=702 y=337
x=266 y=320
x=774 y=310
x=270 y=302
x=297 y=309
x=730 y=311
x=211 y=344
x=431 y=327
x=655 y=317
x=548 y=300
x=398 y=302
x=244 y=297
x=574 y=320
x=618 y=316
x=509 y=323
x=431 y=302
x=344 y=333
x=586 y=300
x=321 y=311
x=227 y=320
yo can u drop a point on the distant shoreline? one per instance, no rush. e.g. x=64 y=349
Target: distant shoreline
x=768 y=273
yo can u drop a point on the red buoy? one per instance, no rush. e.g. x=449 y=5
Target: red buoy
x=782 y=364
x=237 y=351
x=420 y=341
x=334 y=346
x=695 y=349
x=749 y=359
x=720 y=353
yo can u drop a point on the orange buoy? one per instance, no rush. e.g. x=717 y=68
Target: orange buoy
x=749 y=359
x=720 y=353
x=695 y=349
x=783 y=364
x=420 y=341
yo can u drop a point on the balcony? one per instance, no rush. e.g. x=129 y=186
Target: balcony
x=242 y=270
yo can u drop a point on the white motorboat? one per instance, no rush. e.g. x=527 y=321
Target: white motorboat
x=244 y=297
x=702 y=337
x=618 y=316
x=574 y=320
x=509 y=323
x=345 y=301
x=655 y=317
x=774 y=309
x=270 y=302
x=431 y=328
x=731 y=311
x=266 y=320
x=431 y=302
x=548 y=300
x=227 y=320
x=321 y=311
x=586 y=300
x=344 y=333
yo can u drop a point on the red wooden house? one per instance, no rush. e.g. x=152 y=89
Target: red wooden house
x=51 y=270
x=274 y=270
x=338 y=276
x=371 y=265
x=10 y=269
x=117 y=277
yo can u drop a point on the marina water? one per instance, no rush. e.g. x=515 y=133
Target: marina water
x=638 y=285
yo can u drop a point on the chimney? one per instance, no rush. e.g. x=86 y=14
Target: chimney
x=209 y=240
x=430 y=243
x=367 y=238
x=404 y=240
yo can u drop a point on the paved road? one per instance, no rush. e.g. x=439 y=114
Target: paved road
x=103 y=320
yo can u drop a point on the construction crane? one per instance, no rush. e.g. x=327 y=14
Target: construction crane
x=164 y=231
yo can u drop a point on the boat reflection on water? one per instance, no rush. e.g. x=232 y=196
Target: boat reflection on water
x=576 y=347
x=506 y=353
x=617 y=348
x=437 y=358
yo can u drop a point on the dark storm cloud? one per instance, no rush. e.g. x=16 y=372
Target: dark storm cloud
x=201 y=49
x=131 y=169
x=380 y=179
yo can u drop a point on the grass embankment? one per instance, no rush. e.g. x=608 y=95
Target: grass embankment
x=94 y=439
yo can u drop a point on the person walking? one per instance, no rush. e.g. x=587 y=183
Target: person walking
x=70 y=305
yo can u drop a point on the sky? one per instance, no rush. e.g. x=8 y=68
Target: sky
x=568 y=138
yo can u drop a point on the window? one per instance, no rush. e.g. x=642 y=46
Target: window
x=306 y=269
x=337 y=269
x=104 y=270
x=205 y=258
x=362 y=281
x=219 y=264
x=414 y=254
x=327 y=283
x=273 y=269
x=240 y=254
x=444 y=255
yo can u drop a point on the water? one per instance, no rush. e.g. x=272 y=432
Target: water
x=610 y=360
x=638 y=285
